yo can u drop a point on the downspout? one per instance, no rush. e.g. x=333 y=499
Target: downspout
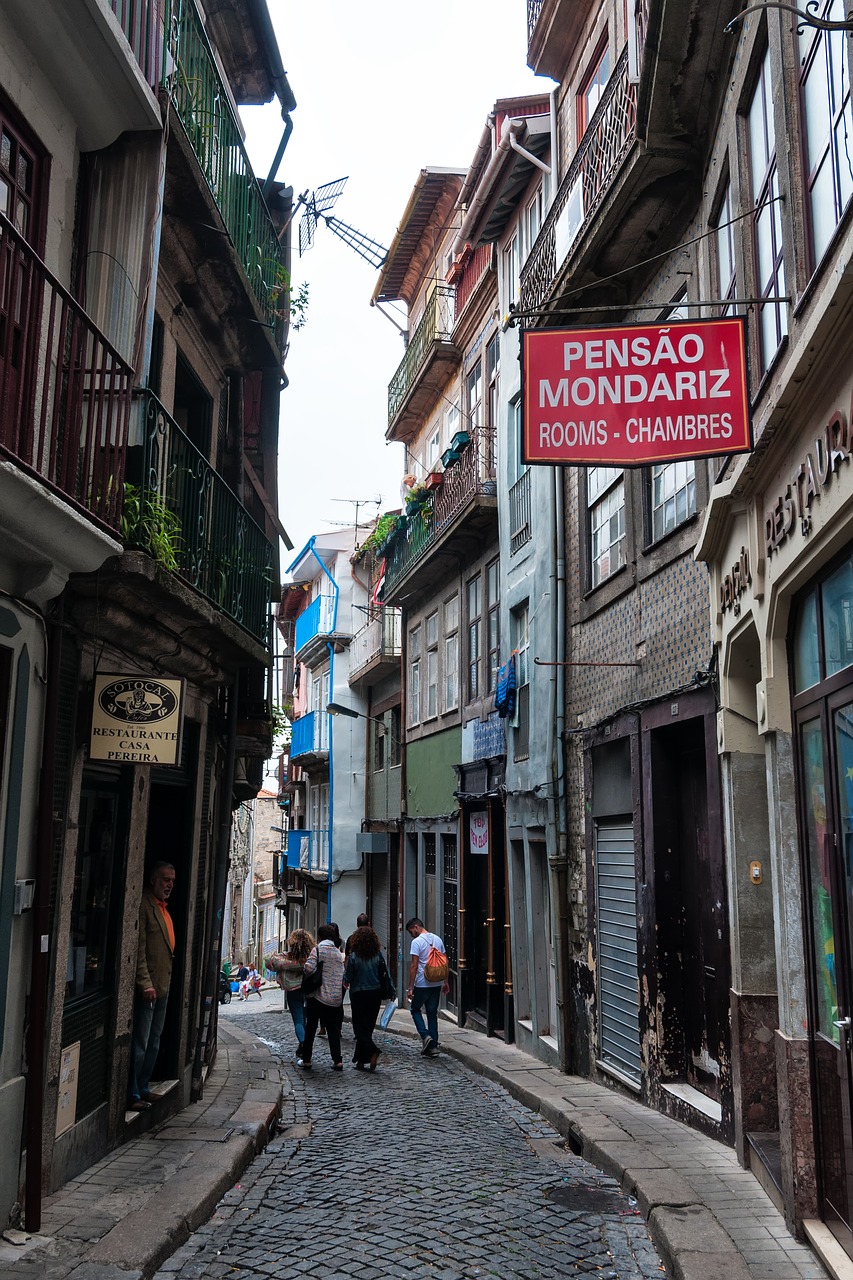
x=280 y=83
x=560 y=859
x=40 y=964
x=552 y=193
x=528 y=155
x=330 y=873
x=210 y=987
x=337 y=591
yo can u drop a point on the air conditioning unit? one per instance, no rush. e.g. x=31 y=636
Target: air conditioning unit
x=373 y=842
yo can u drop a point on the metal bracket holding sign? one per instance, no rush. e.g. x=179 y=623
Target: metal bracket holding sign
x=633 y=395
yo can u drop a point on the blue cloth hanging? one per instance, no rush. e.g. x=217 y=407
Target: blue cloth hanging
x=505 y=690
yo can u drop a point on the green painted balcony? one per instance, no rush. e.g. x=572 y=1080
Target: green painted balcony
x=208 y=537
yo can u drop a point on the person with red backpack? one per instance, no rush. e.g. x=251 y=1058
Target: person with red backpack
x=427 y=979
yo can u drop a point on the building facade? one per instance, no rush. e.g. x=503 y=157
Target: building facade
x=143 y=321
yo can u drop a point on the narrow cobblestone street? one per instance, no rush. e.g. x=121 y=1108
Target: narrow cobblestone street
x=421 y=1168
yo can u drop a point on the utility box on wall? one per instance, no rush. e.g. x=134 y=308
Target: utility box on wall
x=372 y=842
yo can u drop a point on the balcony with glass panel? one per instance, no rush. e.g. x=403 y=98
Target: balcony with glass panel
x=317 y=627
x=308 y=852
x=309 y=743
x=431 y=357
x=376 y=649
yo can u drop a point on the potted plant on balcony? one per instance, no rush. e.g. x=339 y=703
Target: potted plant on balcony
x=416 y=497
x=434 y=479
x=460 y=441
x=147 y=523
x=449 y=458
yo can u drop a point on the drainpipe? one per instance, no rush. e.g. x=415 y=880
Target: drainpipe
x=552 y=193
x=278 y=76
x=528 y=155
x=559 y=862
x=337 y=591
x=40 y=964
x=508 y=137
x=330 y=876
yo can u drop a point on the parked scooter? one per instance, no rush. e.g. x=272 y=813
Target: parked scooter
x=224 y=988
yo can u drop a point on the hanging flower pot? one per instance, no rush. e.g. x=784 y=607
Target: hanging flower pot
x=434 y=479
x=460 y=441
x=449 y=458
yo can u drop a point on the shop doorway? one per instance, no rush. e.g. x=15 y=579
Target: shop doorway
x=822 y=664
x=167 y=839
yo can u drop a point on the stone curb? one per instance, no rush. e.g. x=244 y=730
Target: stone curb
x=142 y=1241
x=691 y=1242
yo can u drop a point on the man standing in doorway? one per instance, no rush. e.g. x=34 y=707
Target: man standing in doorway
x=422 y=994
x=156 y=951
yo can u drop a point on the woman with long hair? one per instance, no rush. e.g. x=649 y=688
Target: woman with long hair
x=327 y=1001
x=299 y=947
x=369 y=981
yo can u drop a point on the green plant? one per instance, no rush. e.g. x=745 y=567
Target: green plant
x=286 y=299
x=379 y=534
x=147 y=523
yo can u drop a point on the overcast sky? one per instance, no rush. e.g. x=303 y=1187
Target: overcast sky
x=384 y=88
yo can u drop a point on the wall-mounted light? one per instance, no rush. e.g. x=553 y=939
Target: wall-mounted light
x=338 y=709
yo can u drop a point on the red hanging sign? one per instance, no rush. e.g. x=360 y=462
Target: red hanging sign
x=635 y=394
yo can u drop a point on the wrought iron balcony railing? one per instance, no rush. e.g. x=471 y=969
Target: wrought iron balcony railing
x=520 y=528
x=211 y=541
x=310 y=734
x=143 y=23
x=64 y=389
x=436 y=325
x=379 y=639
x=605 y=144
x=174 y=53
x=308 y=851
x=203 y=107
x=534 y=8
x=472 y=475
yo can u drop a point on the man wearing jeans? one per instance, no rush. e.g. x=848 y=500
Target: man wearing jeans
x=423 y=995
x=156 y=951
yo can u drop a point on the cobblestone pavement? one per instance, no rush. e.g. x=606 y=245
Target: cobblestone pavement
x=422 y=1168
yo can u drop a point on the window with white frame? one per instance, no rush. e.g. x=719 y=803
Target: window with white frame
x=414 y=675
x=724 y=238
x=671 y=485
x=605 y=489
x=767 y=214
x=521 y=646
x=474 y=395
x=474 y=638
x=451 y=653
x=451 y=424
x=593 y=88
x=825 y=98
x=492 y=624
x=673 y=496
x=512 y=267
x=431 y=628
x=432 y=453
x=533 y=218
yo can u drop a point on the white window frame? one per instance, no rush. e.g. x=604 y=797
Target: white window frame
x=606 y=522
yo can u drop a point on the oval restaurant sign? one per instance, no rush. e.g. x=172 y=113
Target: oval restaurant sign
x=635 y=394
x=136 y=719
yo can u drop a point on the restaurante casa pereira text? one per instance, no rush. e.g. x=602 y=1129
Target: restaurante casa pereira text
x=635 y=394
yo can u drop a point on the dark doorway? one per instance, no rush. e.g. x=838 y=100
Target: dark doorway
x=690 y=910
x=193 y=406
x=167 y=839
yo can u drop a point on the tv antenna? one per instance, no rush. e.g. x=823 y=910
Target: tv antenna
x=317 y=208
x=358 y=503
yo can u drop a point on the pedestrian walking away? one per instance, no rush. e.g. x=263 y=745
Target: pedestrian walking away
x=361 y=921
x=289 y=968
x=328 y=1001
x=155 y=953
x=366 y=975
x=424 y=993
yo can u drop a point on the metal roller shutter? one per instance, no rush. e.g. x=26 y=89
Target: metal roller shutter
x=616 y=903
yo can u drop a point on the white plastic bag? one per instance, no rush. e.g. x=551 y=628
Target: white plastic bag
x=388 y=1013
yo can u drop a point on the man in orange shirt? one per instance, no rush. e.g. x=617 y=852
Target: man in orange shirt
x=156 y=951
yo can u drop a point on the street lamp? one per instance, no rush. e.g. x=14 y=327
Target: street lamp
x=338 y=709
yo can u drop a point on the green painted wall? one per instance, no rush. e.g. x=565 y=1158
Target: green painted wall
x=430 y=779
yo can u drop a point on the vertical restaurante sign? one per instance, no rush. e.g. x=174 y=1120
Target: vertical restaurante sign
x=635 y=394
x=137 y=719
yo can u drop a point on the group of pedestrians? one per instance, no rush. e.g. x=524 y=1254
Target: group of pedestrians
x=358 y=967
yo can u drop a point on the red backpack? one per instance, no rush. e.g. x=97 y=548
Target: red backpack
x=435 y=967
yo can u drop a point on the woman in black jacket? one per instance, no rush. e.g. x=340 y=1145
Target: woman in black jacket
x=369 y=982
